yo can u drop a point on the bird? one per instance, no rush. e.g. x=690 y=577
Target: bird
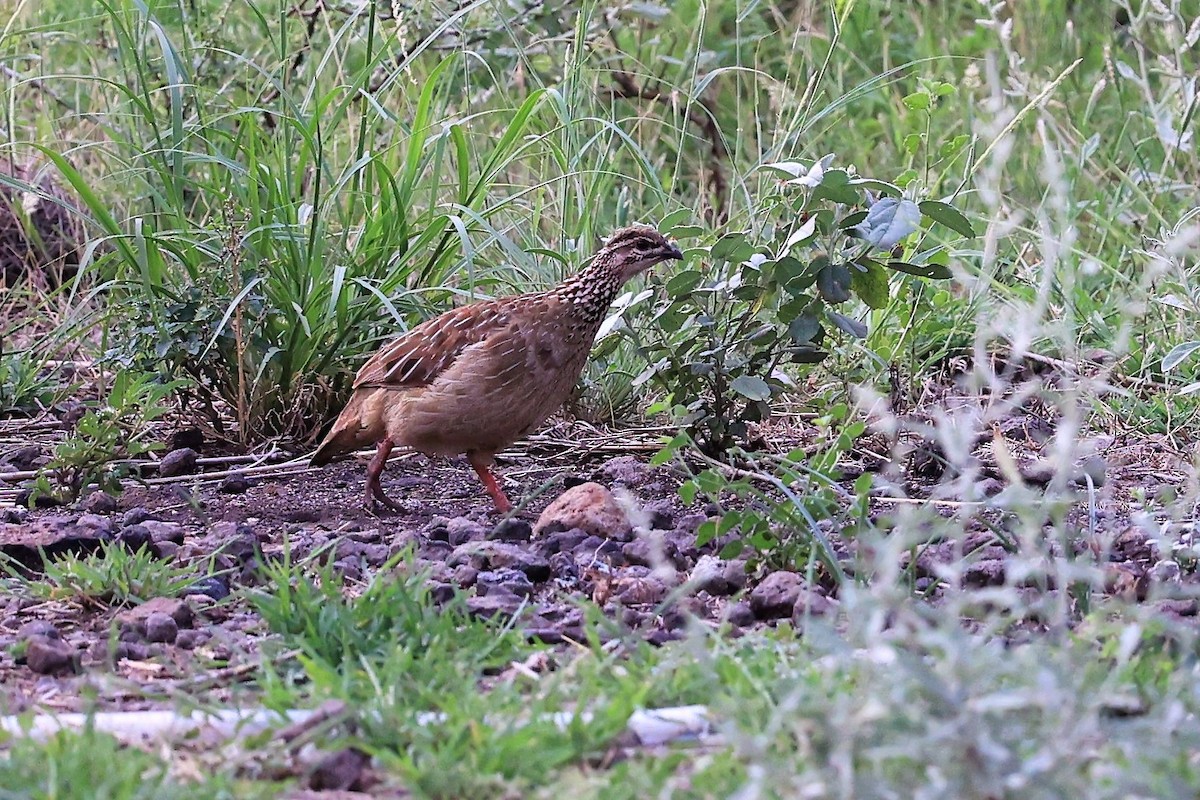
x=475 y=379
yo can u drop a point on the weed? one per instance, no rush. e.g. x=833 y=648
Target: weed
x=95 y=765
x=720 y=339
x=105 y=438
x=112 y=576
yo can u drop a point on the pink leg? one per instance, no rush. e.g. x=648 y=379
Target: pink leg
x=483 y=468
x=374 y=491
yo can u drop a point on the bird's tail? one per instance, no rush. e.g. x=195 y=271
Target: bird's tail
x=346 y=435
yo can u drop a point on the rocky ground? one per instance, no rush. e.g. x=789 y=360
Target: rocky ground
x=612 y=530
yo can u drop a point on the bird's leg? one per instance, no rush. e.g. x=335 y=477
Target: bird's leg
x=374 y=491
x=483 y=468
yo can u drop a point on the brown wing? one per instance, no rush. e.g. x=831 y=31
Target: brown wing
x=419 y=356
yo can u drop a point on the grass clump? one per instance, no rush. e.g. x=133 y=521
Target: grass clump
x=89 y=765
x=113 y=575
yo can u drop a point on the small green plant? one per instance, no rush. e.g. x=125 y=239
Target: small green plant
x=113 y=575
x=723 y=337
x=25 y=388
x=348 y=634
x=89 y=764
x=105 y=438
x=778 y=499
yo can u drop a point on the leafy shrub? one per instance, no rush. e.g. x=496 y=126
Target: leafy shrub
x=106 y=437
x=722 y=338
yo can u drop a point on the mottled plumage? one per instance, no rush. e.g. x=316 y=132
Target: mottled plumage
x=476 y=379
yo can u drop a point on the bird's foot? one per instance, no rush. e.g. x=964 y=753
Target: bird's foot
x=375 y=495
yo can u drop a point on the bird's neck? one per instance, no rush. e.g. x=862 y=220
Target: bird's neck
x=592 y=290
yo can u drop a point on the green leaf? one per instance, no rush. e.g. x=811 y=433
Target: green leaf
x=833 y=282
x=1177 y=354
x=883 y=187
x=848 y=324
x=835 y=186
x=869 y=282
x=732 y=247
x=751 y=387
x=917 y=101
x=683 y=283
x=804 y=328
x=889 y=221
x=935 y=271
x=949 y=216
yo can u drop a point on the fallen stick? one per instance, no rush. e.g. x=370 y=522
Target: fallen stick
x=650 y=727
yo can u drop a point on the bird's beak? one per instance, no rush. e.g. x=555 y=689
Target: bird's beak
x=673 y=251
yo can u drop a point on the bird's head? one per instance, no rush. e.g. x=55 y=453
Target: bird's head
x=635 y=249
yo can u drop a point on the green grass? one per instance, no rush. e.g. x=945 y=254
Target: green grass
x=269 y=195
x=111 y=576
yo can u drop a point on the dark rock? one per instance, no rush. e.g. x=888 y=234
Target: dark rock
x=54 y=536
x=636 y=590
x=652 y=551
x=709 y=576
x=191 y=639
x=1179 y=608
x=512 y=581
x=348 y=568
x=164 y=531
x=441 y=593
x=234 y=539
x=160 y=628
x=811 y=603
x=176 y=609
x=465 y=575
x=166 y=550
x=102 y=525
x=561 y=541
x=987 y=572
x=186 y=439
x=213 y=586
x=28 y=457
x=625 y=469
x=47 y=656
x=135 y=515
x=135 y=537
x=740 y=614
x=659 y=637
x=546 y=634
x=776 y=595
x=178 y=462
x=511 y=529
x=489 y=555
x=571 y=481
x=235 y=483
x=494 y=604
x=37 y=627
x=461 y=530
x=689 y=522
x=660 y=514
x=343 y=771
x=99 y=503
x=438 y=530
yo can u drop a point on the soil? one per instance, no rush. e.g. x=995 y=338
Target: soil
x=60 y=655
